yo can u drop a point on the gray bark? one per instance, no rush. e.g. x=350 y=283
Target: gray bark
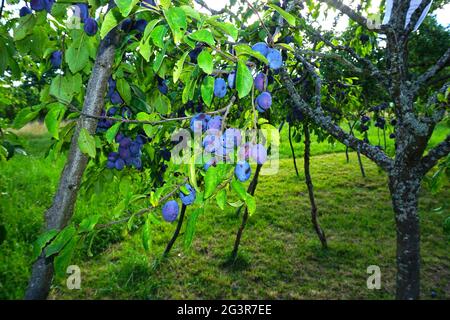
x=59 y=214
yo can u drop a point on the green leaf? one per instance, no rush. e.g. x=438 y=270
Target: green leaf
x=226 y=27
x=191 y=12
x=157 y=36
x=54 y=117
x=287 y=16
x=65 y=87
x=146 y=239
x=205 y=62
x=86 y=142
x=176 y=18
x=25 y=27
x=77 y=54
x=211 y=182
x=239 y=188
x=88 y=224
x=192 y=173
x=221 y=198
x=244 y=80
x=203 y=36
x=42 y=241
x=207 y=90
x=251 y=203
x=24 y=116
x=190 y=227
x=62 y=260
x=125 y=6
x=60 y=241
x=179 y=67
x=112 y=19
x=162 y=104
x=124 y=90
x=112 y=132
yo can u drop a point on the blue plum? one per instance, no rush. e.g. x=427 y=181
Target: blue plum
x=260 y=82
x=116 y=98
x=262 y=48
x=232 y=138
x=263 y=102
x=37 y=5
x=243 y=171
x=170 y=211
x=215 y=123
x=188 y=199
x=199 y=122
x=24 y=11
x=140 y=25
x=275 y=59
x=82 y=11
x=209 y=163
x=231 y=79
x=90 y=27
x=259 y=153
x=220 y=88
x=56 y=59
x=120 y=164
x=49 y=5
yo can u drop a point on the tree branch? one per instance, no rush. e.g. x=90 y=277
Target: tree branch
x=318 y=117
x=352 y=14
x=431 y=72
x=435 y=154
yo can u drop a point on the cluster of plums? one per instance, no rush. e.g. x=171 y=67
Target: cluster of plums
x=113 y=94
x=129 y=153
x=170 y=209
x=221 y=145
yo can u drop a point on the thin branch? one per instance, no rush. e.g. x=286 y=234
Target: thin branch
x=416 y=16
x=431 y=72
x=435 y=154
x=1 y=8
x=352 y=14
x=317 y=116
x=142 y=211
x=270 y=39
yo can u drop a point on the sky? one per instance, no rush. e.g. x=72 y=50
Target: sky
x=442 y=15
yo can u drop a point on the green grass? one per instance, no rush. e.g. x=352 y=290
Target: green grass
x=280 y=255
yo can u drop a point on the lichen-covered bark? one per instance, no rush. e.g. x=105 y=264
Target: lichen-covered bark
x=58 y=215
x=404 y=186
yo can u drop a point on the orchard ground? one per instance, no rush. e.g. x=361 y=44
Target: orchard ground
x=280 y=254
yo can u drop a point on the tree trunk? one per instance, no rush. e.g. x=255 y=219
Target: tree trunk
x=361 y=166
x=251 y=190
x=309 y=184
x=293 y=151
x=59 y=214
x=404 y=190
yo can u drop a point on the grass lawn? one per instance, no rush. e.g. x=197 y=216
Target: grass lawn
x=280 y=255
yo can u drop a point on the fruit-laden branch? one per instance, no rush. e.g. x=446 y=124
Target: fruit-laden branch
x=435 y=154
x=142 y=211
x=318 y=117
x=353 y=15
x=58 y=215
x=431 y=72
x=123 y=120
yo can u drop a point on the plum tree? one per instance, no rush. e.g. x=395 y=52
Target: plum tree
x=123 y=66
